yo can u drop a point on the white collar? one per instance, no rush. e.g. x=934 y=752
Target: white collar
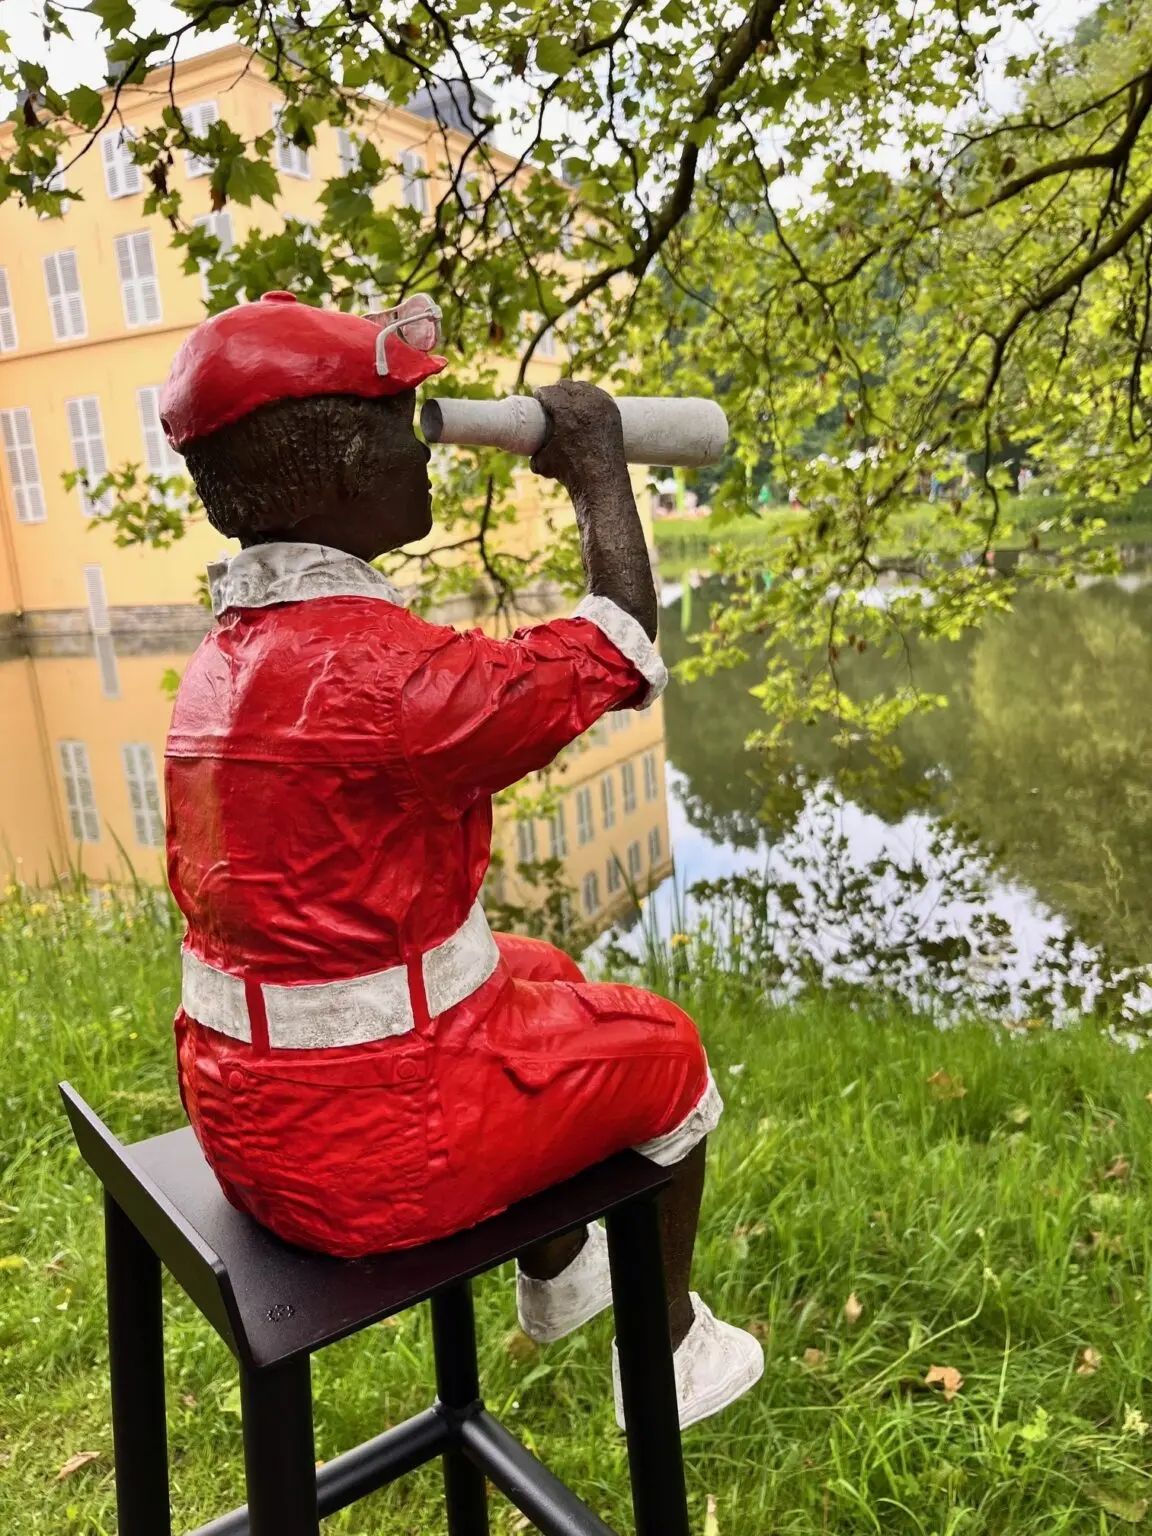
x=293 y=573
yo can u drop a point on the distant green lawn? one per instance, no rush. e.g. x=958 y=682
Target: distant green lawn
x=982 y=1196
x=686 y=544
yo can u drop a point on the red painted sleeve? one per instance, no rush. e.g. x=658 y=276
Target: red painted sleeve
x=478 y=714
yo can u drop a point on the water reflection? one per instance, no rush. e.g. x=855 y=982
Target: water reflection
x=1041 y=762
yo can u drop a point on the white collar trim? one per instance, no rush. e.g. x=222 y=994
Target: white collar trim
x=293 y=573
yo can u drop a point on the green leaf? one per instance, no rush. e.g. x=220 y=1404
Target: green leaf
x=114 y=15
x=553 y=56
x=251 y=178
x=85 y=106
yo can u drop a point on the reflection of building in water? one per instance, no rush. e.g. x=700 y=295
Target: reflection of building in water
x=610 y=826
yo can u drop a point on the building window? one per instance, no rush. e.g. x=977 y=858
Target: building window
x=143 y=794
x=98 y=616
x=138 y=286
x=628 y=785
x=558 y=834
x=415 y=184
x=634 y=861
x=65 y=301
x=654 y=846
x=78 y=789
x=651 y=778
x=160 y=456
x=198 y=120
x=608 y=800
x=546 y=346
x=526 y=842
x=615 y=875
x=122 y=176
x=591 y=892
x=220 y=225
x=291 y=158
x=23 y=466
x=348 y=151
x=9 y=340
x=585 y=829
x=55 y=184
x=620 y=719
x=87 y=433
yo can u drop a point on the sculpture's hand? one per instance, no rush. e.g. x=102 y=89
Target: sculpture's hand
x=585 y=446
x=585 y=452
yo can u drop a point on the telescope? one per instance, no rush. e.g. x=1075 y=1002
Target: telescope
x=686 y=432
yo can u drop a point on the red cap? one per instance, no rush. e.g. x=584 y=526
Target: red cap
x=280 y=349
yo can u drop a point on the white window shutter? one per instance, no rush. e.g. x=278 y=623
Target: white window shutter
x=8 y=337
x=87 y=433
x=199 y=119
x=23 y=466
x=110 y=151
x=99 y=618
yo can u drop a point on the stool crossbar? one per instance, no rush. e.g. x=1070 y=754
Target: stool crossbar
x=275 y=1305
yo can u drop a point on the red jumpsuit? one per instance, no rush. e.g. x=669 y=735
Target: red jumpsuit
x=365 y=1065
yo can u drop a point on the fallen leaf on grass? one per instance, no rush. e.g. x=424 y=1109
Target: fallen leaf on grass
x=74 y=1463
x=813 y=1359
x=1131 y=1510
x=853 y=1310
x=518 y=1346
x=1148 y=1096
x=711 y=1524
x=759 y=1329
x=750 y=1231
x=1020 y=1114
x=55 y=1265
x=945 y=1086
x=1100 y=1242
x=522 y=1524
x=1120 y=1169
x=188 y=1400
x=946 y=1376
x=1090 y=1362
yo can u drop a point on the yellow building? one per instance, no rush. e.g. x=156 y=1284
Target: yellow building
x=87 y=629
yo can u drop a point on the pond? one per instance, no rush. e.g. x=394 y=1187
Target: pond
x=1008 y=855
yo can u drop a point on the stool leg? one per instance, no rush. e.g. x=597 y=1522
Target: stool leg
x=647 y=1381
x=279 y=1450
x=458 y=1386
x=136 y=1369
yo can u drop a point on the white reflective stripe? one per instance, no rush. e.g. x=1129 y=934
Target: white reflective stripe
x=627 y=635
x=214 y=998
x=309 y=1017
x=326 y=1014
x=464 y=962
x=675 y=1145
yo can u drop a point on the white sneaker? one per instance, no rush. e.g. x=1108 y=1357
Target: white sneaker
x=552 y=1309
x=715 y=1364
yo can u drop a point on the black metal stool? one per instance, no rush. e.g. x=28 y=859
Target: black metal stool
x=273 y=1305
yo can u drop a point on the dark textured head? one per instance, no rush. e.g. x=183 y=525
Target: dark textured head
x=339 y=470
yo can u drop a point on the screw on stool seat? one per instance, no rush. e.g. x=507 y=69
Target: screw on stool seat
x=274 y=1305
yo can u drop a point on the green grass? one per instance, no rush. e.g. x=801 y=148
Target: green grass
x=1001 y=1233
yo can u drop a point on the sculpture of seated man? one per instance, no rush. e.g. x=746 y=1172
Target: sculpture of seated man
x=365 y=1065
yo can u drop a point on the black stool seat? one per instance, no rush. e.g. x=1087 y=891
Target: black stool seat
x=275 y=1304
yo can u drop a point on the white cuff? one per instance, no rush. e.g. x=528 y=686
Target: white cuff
x=628 y=636
x=676 y=1144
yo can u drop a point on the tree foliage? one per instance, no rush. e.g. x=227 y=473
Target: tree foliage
x=805 y=209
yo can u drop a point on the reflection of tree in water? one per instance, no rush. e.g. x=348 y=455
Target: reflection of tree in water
x=1044 y=755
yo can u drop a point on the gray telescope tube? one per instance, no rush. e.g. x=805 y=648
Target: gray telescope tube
x=656 y=431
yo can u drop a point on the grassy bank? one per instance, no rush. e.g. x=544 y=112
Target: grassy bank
x=980 y=1196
